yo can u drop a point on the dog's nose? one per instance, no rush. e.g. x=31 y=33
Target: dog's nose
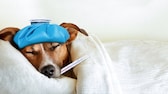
x=48 y=70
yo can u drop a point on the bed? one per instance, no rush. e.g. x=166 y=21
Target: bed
x=120 y=67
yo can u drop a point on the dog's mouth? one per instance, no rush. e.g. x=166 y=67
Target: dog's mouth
x=50 y=71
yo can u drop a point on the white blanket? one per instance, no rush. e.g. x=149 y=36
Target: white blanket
x=141 y=66
x=18 y=76
x=136 y=67
x=93 y=75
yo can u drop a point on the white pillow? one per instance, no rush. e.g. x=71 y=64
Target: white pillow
x=141 y=66
x=18 y=76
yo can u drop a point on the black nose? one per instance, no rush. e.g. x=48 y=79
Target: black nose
x=48 y=70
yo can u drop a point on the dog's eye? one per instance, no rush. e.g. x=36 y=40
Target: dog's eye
x=54 y=46
x=32 y=52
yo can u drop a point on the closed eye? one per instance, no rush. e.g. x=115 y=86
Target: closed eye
x=32 y=52
x=54 y=47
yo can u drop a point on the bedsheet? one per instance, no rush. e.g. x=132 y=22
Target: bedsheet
x=141 y=66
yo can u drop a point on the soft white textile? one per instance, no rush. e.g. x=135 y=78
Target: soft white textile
x=141 y=66
x=95 y=75
x=136 y=67
x=18 y=76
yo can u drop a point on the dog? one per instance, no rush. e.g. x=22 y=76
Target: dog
x=47 y=58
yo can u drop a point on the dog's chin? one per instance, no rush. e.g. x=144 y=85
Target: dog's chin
x=57 y=74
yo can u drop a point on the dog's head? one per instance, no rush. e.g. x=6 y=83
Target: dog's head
x=47 y=58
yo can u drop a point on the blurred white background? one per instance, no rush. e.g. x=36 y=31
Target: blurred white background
x=110 y=20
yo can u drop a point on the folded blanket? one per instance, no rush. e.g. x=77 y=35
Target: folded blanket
x=95 y=75
x=18 y=76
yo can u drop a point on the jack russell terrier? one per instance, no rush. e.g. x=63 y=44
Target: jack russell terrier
x=49 y=57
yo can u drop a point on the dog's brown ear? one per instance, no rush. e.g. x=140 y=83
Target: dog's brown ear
x=8 y=33
x=73 y=30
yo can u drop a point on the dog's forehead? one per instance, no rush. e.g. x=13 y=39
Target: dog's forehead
x=37 y=47
x=50 y=44
x=34 y=47
x=54 y=44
